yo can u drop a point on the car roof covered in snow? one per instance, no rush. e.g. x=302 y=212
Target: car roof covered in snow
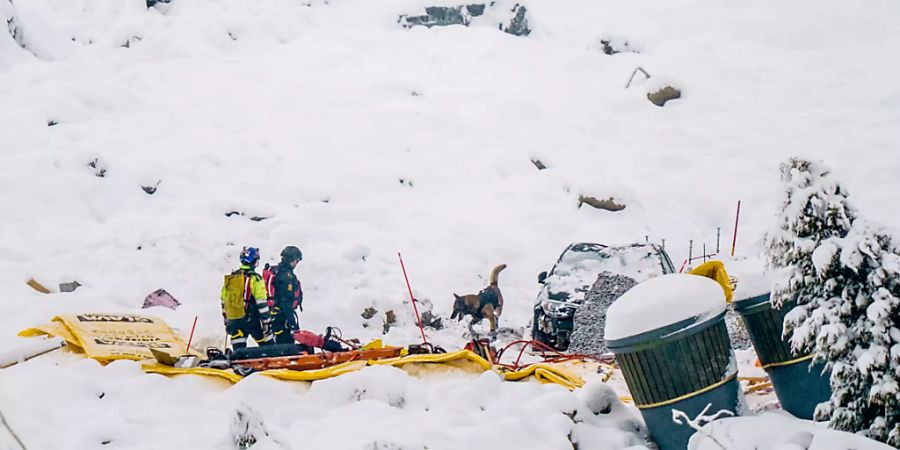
x=578 y=266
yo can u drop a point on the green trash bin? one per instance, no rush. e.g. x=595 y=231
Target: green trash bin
x=670 y=340
x=799 y=385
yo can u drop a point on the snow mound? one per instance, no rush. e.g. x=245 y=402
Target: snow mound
x=662 y=301
x=782 y=432
x=376 y=407
x=752 y=280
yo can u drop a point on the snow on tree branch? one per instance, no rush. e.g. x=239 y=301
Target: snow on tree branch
x=840 y=277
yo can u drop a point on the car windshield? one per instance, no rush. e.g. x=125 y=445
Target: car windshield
x=578 y=268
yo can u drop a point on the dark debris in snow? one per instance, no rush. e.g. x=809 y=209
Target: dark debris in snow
x=590 y=318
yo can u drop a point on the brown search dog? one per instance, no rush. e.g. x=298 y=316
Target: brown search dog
x=487 y=304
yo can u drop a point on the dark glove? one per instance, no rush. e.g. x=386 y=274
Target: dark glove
x=266 y=321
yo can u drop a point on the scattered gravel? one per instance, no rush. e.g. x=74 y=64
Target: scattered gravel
x=740 y=339
x=590 y=318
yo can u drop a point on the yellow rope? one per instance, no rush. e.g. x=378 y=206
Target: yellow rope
x=610 y=369
x=758 y=387
x=688 y=395
x=754 y=380
x=787 y=363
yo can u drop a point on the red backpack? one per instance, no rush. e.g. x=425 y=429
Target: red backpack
x=268 y=275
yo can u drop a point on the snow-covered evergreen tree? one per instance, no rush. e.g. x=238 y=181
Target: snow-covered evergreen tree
x=815 y=209
x=845 y=280
x=860 y=337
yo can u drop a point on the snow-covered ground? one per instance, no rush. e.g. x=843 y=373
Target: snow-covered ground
x=355 y=139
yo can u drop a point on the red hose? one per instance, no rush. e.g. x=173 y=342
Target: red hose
x=544 y=349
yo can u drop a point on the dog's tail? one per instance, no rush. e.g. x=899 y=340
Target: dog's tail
x=496 y=273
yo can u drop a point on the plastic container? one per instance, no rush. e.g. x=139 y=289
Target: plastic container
x=799 y=385
x=685 y=365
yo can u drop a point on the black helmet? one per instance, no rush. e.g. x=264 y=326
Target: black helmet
x=291 y=253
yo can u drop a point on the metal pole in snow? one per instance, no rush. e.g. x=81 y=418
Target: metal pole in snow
x=718 y=235
x=11 y=432
x=704 y=252
x=412 y=299
x=11 y=357
x=737 y=218
x=690 y=252
x=187 y=350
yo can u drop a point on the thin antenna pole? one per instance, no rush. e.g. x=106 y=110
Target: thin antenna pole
x=690 y=252
x=718 y=235
x=737 y=219
x=187 y=350
x=412 y=299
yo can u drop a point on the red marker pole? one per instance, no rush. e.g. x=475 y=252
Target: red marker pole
x=412 y=299
x=193 y=327
x=737 y=218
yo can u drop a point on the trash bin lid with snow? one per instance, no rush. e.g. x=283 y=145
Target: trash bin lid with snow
x=661 y=306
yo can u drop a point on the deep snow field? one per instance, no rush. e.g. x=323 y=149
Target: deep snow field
x=355 y=139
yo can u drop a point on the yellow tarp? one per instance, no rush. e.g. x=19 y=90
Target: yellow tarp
x=155 y=367
x=313 y=375
x=108 y=337
x=57 y=329
x=462 y=359
x=547 y=373
x=715 y=270
x=478 y=363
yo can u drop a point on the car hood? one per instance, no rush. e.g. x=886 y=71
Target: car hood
x=571 y=283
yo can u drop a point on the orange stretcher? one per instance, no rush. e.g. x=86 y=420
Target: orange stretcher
x=317 y=360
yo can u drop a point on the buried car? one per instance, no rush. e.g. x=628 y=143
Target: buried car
x=576 y=270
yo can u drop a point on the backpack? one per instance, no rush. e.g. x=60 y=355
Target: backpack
x=268 y=275
x=234 y=293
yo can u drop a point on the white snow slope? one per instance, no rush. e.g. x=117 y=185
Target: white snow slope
x=357 y=139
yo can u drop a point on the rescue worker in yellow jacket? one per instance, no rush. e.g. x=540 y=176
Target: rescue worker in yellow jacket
x=244 y=303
